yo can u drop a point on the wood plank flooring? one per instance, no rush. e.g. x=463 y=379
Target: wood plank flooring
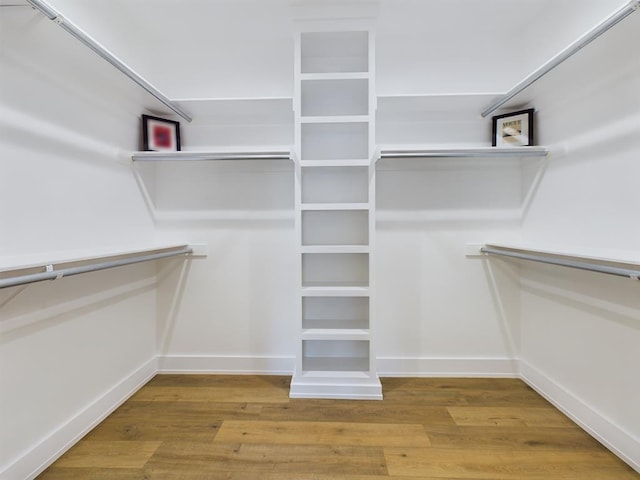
x=212 y=427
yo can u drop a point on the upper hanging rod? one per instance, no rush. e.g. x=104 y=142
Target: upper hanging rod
x=590 y=266
x=53 y=274
x=418 y=152
x=204 y=156
x=584 y=40
x=52 y=14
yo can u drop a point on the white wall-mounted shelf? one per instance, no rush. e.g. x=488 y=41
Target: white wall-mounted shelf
x=196 y=156
x=417 y=151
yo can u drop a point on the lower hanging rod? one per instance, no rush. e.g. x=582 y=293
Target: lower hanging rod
x=53 y=274
x=592 y=267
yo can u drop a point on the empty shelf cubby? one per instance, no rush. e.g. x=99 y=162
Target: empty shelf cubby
x=335 y=185
x=338 y=313
x=335 y=270
x=330 y=52
x=335 y=141
x=335 y=97
x=335 y=355
x=335 y=227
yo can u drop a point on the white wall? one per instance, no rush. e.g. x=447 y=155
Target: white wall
x=581 y=331
x=436 y=312
x=70 y=350
x=236 y=310
x=445 y=47
x=556 y=26
x=231 y=49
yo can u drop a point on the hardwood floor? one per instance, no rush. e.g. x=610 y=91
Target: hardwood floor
x=209 y=427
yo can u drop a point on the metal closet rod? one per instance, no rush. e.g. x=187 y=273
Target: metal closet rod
x=583 y=41
x=203 y=156
x=76 y=32
x=592 y=267
x=481 y=152
x=52 y=274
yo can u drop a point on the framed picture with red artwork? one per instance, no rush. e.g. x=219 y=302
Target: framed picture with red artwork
x=160 y=134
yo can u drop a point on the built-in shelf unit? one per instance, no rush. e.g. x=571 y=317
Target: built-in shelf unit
x=335 y=207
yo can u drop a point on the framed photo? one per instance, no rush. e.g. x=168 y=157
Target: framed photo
x=513 y=129
x=160 y=134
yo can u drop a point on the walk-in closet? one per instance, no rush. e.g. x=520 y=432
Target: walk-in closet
x=346 y=197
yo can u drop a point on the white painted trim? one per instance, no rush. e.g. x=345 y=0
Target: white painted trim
x=447 y=367
x=36 y=460
x=612 y=436
x=226 y=364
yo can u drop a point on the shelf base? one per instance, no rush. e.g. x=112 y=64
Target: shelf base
x=345 y=385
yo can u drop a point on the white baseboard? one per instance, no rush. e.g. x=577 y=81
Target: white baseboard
x=387 y=367
x=224 y=364
x=49 y=449
x=447 y=367
x=612 y=436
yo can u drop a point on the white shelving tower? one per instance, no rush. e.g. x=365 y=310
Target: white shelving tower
x=334 y=107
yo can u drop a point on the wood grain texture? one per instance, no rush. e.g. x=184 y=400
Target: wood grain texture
x=506 y=464
x=508 y=417
x=258 y=459
x=323 y=433
x=210 y=394
x=213 y=427
x=113 y=454
x=350 y=411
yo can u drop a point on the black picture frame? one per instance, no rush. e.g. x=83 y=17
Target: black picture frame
x=514 y=129
x=160 y=134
